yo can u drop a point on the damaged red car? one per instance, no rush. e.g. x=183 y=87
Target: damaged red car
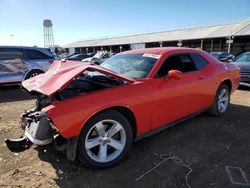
x=94 y=113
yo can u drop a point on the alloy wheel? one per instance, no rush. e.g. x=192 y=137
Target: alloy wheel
x=223 y=100
x=105 y=141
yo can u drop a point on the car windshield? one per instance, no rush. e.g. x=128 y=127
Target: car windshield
x=243 y=58
x=136 y=65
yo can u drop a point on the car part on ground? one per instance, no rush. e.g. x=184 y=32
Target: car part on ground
x=95 y=112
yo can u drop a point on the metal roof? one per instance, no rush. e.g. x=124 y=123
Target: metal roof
x=241 y=28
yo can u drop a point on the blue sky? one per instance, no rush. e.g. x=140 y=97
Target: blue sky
x=21 y=20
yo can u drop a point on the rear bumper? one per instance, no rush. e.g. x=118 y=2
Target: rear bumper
x=245 y=77
x=245 y=84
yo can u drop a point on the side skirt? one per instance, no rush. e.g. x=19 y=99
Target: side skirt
x=169 y=125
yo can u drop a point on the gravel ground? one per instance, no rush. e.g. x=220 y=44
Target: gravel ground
x=204 y=151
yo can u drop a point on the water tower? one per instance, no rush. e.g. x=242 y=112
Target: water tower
x=48 y=33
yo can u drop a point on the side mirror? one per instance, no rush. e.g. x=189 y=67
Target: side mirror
x=175 y=74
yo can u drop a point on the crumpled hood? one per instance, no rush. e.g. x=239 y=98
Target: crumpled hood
x=60 y=75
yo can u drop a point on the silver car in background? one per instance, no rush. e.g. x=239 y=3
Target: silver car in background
x=18 y=63
x=99 y=58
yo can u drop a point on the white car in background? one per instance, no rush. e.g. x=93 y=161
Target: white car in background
x=99 y=58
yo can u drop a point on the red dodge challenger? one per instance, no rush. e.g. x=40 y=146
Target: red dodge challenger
x=94 y=113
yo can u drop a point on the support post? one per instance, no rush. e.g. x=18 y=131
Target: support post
x=212 y=45
x=220 y=44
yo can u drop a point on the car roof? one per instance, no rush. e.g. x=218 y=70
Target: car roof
x=162 y=50
x=23 y=47
x=220 y=53
x=245 y=53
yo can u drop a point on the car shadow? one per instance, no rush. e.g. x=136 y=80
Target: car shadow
x=205 y=142
x=244 y=88
x=13 y=93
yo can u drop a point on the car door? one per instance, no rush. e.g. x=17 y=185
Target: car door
x=243 y=61
x=176 y=98
x=38 y=60
x=12 y=65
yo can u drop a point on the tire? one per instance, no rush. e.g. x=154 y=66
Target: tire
x=33 y=73
x=105 y=140
x=221 y=101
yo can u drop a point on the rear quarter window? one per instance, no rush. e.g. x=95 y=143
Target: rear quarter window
x=199 y=61
x=9 y=54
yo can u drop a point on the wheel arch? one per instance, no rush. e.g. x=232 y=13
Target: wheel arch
x=124 y=110
x=228 y=83
x=32 y=70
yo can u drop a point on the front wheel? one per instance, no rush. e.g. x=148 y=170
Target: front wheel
x=221 y=102
x=105 y=140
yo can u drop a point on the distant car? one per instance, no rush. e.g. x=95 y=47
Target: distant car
x=18 y=63
x=94 y=113
x=223 y=56
x=99 y=58
x=243 y=61
x=78 y=57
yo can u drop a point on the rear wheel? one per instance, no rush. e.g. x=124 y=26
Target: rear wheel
x=221 y=102
x=33 y=73
x=105 y=140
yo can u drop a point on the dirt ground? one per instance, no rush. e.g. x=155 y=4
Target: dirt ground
x=204 y=151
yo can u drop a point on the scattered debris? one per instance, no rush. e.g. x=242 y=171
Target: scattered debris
x=16 y=171
x=178 y=161
x=237 y=176
x=39 y=173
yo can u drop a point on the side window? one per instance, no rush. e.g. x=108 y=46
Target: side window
x=9 y=54
x=199 y=61
x=106 y=55
x=34 y=55
x=243 y=58
x=187 y=65
x=181 y=62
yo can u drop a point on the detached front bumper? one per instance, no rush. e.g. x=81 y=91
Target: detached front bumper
x=38 y=130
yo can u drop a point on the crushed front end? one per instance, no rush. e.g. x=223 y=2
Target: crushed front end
x=61 y=82
x=38 y=130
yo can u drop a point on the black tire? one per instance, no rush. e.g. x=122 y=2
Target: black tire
x=33 y=73
x=214 y=109
x=83 y=154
